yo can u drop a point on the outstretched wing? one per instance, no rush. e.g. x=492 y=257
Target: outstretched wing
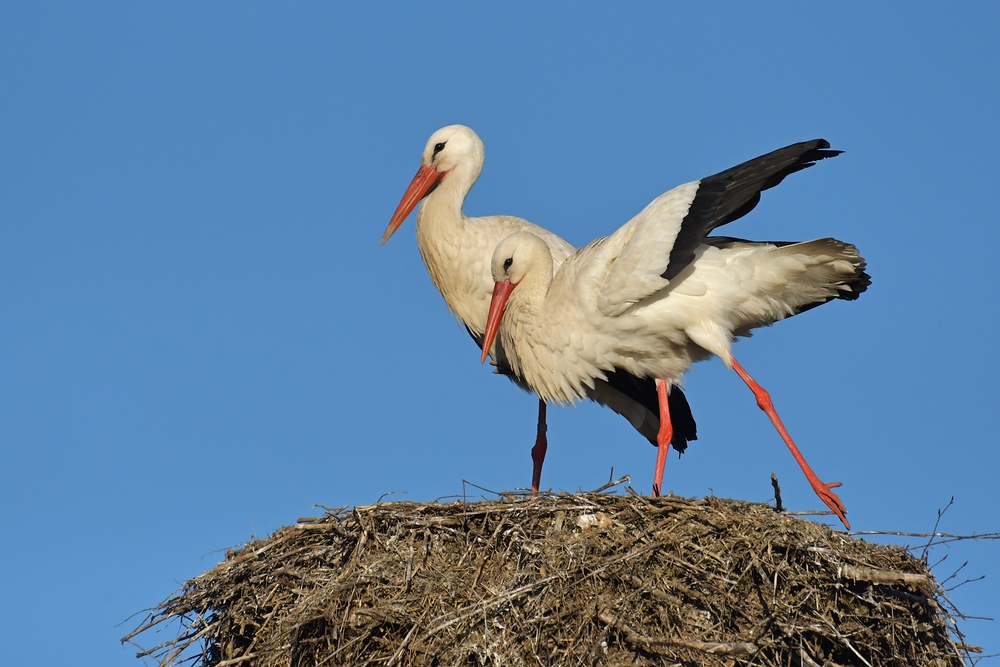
x=637 y=252
x=656 y=245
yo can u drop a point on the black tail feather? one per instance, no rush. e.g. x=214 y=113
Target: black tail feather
x=643 y=392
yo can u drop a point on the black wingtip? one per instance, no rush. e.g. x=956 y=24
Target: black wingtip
x=809 y=153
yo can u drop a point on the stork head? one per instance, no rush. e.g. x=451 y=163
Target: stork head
x=521 y=257
x=455 y=153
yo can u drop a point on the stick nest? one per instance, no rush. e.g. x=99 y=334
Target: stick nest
x=560 y=580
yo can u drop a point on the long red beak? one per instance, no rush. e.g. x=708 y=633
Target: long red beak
x=420 y=187
x=501 y=292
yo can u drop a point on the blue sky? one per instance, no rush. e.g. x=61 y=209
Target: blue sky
x=200 y=337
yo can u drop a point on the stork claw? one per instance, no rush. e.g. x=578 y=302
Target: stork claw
x=831 y=499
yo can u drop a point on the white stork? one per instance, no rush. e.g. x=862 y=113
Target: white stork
x=660 y=294
x=457 y=250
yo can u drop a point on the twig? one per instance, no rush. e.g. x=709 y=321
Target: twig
x=914 y=597
x=498 y=494
x=473 y=609
x=846 y=642
x=777 y=494
x=943 y=559
x=881 y=576
x=612 y=482
x=967 y=581
x=645 y=501
x=940 y=513
x=896 y=533
x=712 y=648
x=954 y=574
x=803 y=656
x=447 y=497
x=974 y=649
x=179 y=644
x=236 y=661
x=482 y=561
x=406 y=640
x=335 y=511
x=388 y=493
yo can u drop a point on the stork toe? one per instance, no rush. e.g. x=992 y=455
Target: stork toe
x=832 y=501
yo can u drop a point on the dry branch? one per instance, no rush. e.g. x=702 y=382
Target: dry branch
x=713 y=648
x=883 y=576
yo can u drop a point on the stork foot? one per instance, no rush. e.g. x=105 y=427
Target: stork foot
x=831 y=499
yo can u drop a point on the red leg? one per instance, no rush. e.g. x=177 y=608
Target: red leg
x=665 y=435
x=822 y=489
x=538 y=451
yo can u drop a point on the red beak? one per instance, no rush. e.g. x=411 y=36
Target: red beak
x=501 y=292
x=420 y=186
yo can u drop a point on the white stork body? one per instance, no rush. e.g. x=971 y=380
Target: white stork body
x=456 y=251
x=559 y=339
x=660 y=294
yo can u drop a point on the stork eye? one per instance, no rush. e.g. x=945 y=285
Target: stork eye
x=506 y=263
x=438 y=148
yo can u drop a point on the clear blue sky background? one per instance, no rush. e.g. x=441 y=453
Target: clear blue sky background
x=200 y=337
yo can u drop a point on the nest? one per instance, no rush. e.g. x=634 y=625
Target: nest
x=560 y=580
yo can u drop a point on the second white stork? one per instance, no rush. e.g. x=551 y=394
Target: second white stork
x=456 y=250
x=660 y=294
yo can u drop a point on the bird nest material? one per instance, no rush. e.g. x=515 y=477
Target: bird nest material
x=560 y=580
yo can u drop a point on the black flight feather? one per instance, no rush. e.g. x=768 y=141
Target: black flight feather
x=731 y=194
